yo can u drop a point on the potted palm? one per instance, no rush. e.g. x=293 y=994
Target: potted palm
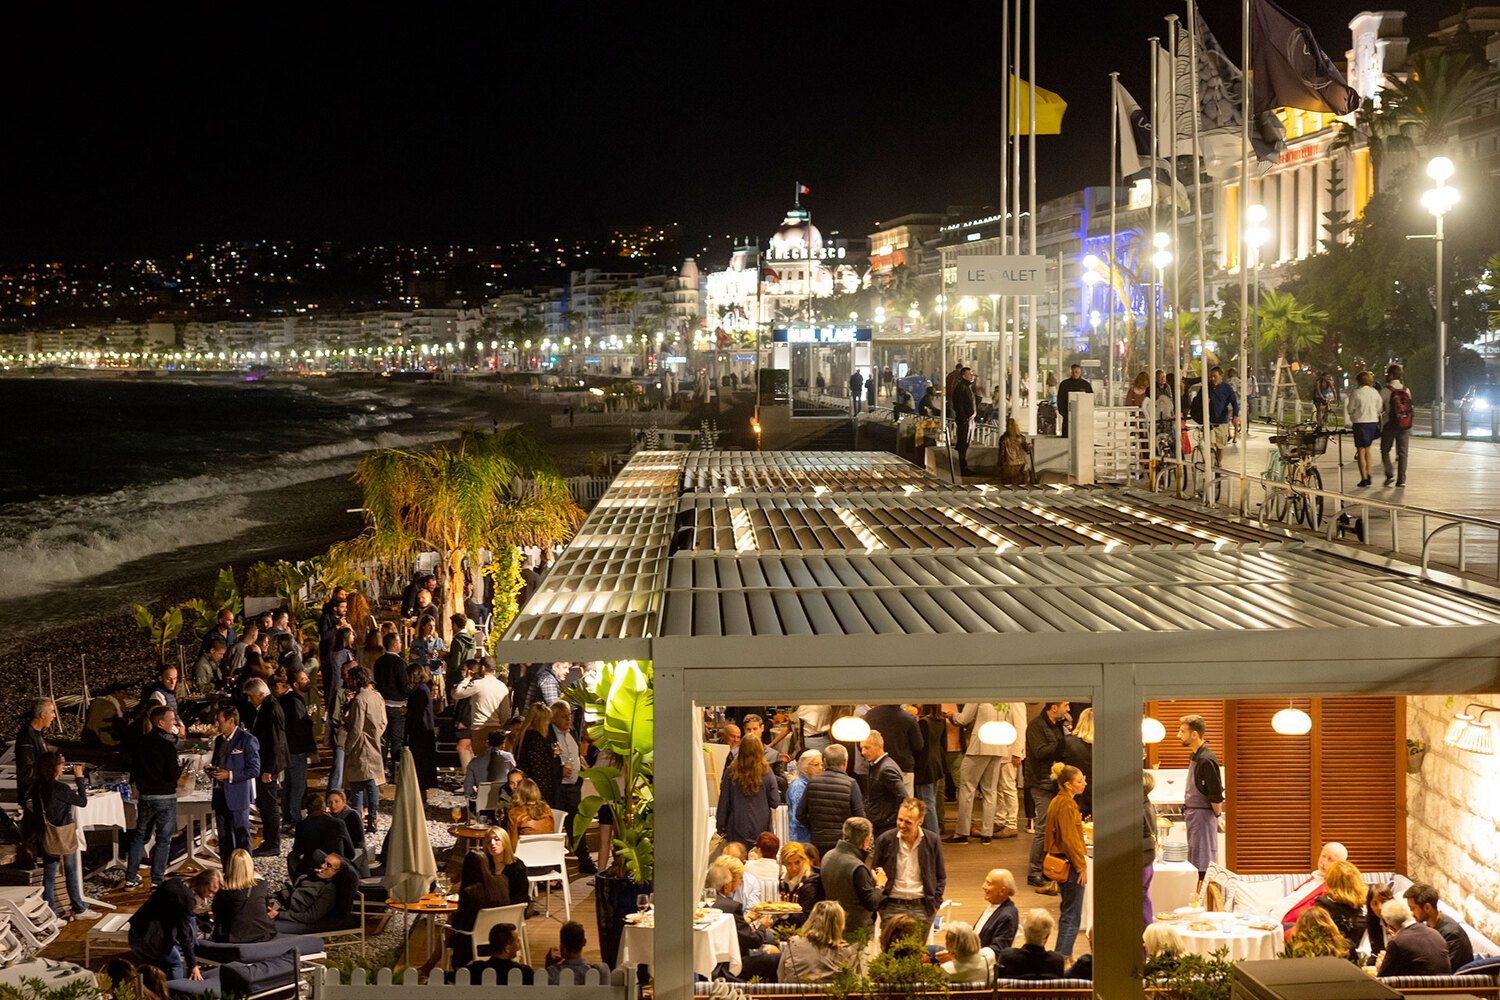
x=620 y=709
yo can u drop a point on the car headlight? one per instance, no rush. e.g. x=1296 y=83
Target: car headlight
x=1480 y=404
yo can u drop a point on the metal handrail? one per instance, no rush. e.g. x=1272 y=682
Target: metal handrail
x=1344 y=501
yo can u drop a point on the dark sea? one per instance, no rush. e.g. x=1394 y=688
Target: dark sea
x=117 y=491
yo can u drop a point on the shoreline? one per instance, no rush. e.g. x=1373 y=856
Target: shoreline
x=298 y=520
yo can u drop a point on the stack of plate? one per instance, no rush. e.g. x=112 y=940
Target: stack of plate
x=1174 y=850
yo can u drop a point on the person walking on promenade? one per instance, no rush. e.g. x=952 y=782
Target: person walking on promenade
x=1362 y=412
x=1395 y=432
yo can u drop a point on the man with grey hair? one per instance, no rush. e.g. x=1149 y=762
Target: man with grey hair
x=1305 y=896
x=1032 y=960
x=30 y=745
x=269 y=730
x=809 y=764
x=886 y=786
x=831 y=797
x=847 y=879
x=1411 y=947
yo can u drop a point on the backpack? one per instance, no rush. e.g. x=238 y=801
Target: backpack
x=1401 y=408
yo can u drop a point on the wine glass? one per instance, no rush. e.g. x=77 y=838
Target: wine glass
x=642 y=903
x=458 y=814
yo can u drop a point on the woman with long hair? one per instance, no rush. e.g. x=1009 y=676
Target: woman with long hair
x=1078 y=749
x=749 y=797
x=1316 y=936
x=1140 y=388
x=820 y=951
x=537 y=750
x=1344 y=898
x=357 y=614
x=800 y=881
x=240 y=907
x=420 y=735
x=1014 y=449
x=491 y=877
x=530 y=814
x=1064 y=839
x=428 y=647
x=53 y=800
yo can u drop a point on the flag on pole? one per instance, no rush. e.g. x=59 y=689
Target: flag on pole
x=1291 y=71
x=803 y=188
x=1049 y=110
x=1219 y=82
x=1135 y=147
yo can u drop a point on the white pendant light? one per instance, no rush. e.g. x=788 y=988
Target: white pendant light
x=850 y=729
x=997 y=733
x=1291 y=722
x=1152 y=731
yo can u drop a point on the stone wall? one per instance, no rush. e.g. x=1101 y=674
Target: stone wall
x=1453 y=818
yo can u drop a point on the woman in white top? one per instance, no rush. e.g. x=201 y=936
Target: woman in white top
x=1362 y=412
x=970 y=963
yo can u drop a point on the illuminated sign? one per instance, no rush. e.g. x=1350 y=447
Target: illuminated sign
x=1298 y=155
x=802 y=253
x=1010 y=274
x=821 y=335
x=675 y=359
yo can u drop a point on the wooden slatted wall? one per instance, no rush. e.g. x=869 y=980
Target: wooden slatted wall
x=1288 y=795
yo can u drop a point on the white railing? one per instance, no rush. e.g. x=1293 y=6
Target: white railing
x=586 y=490
x=619 y=985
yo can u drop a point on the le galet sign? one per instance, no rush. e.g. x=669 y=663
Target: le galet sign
x=1011 y=274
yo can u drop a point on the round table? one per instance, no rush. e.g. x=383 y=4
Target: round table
x=1242 y=943
x=714 y=941
x=474 y=833
x=432 y=905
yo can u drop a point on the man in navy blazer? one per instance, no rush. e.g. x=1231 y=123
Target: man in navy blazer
x=912 y=859
x=886 y=789
x=236 y=766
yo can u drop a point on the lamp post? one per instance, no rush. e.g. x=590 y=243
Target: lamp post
x=1438 y=200
x=1255 y=237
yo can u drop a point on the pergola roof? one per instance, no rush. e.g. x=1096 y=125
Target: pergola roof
x=747 y=544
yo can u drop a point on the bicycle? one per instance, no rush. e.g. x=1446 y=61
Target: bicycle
x=1293 y=462
x=1187 y=475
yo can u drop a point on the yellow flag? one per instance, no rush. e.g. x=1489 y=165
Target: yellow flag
x=1049 y=110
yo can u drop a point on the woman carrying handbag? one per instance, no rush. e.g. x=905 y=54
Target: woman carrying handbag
x=54 y=801
x=1066 y=859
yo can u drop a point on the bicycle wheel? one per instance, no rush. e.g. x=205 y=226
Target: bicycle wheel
x=1311 y=513
x=1273 y=508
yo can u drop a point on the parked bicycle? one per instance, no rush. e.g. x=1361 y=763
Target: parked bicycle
x=1293 y=462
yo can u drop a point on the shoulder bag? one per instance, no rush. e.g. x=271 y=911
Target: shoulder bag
x=59 y=841
x=1056 y=868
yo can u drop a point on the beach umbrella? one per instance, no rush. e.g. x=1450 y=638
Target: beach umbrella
x=410 y=867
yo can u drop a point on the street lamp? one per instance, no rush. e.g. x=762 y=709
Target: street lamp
x=1438 y=200
x=1255 y=237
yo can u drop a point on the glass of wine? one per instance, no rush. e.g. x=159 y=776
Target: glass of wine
x=458 y=814
x=642 y=903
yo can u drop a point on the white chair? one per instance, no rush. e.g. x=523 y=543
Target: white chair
x=485 y=920
x=542 y=854
x=767 y=872
x=487 y=796
x=560 y=824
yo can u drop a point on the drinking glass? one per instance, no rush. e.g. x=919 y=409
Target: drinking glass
x=458 y=814
x=642 y=903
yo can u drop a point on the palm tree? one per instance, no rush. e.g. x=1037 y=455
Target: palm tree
x=458 y=501
x=1443 y=89
x=1286 y=324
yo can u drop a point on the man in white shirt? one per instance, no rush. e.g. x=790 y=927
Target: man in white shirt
x=911 y=860
x=570 y=781
x=812 y=721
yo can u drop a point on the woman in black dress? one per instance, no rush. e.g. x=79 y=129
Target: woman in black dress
x=1078 y=749
x=537 y=753
x=241 y=910
x=421 y=728
x=491 y=877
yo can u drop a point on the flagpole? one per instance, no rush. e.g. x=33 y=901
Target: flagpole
x=1176 y=247
x=1002 y=306
x=1152 y=45
x=1197 y=114
x=1114 y=169
x=1244 y=209
x=1031 y=227
x=1013 y=397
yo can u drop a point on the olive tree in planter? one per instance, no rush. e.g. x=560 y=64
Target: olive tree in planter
x=620 y=705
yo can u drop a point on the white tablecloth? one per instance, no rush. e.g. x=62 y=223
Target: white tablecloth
x=1243 y=943
x=712 y=944
x=1172 y=884
x=105 y=810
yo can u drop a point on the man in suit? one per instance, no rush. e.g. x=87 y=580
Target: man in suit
x=269 y=729
x=318 y=832
x=758 y=957
x=1032 y=960
x=236 y=762
x=911 y=858
x=886 y=789
x=998 y=921
x=903 y=738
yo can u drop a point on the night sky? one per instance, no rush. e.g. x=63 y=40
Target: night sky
x=126 y=136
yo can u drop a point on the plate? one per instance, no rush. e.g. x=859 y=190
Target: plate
x=1262 y=925
x=1202 y=926
x=1168 y=916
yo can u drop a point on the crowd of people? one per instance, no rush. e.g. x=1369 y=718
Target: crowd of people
x=261 y=691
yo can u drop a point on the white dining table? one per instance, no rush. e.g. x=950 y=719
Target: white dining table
x=1172 y=884
x=1241 y=942
x=714 y=941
